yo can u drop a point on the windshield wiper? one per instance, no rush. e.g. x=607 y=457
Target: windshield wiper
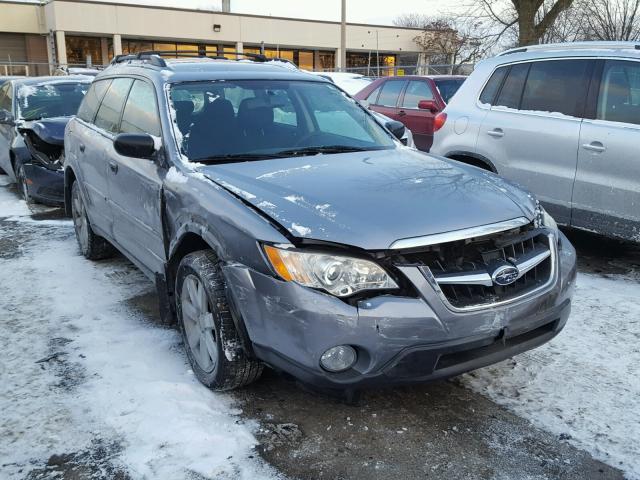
x=294 y=152
x=235 y=157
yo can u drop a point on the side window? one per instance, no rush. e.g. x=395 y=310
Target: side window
x=141 y=111
x=416 y=91
x=557 y=86
x=108 y=116
x=390 y=93
x=619 y=99
x=511 y=91
x=490 y=90
x=91 y=101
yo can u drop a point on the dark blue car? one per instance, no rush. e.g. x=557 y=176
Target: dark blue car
x=33 y=115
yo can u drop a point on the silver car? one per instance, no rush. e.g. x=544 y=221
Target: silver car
x=562 y=120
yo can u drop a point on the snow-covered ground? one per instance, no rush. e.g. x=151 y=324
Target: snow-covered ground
x=585 y=384
x=83 y=374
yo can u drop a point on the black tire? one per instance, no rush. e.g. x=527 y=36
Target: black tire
x=21 y=177
x=92 y=246
x=231 y=368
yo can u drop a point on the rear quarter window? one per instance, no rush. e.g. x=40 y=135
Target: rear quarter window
x=492 y=87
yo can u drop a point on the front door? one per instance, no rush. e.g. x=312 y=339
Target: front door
x=531 y=132
x=606 y=196
x=135 y=185
x=419 y=121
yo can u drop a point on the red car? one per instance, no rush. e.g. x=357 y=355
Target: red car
x=414 y=100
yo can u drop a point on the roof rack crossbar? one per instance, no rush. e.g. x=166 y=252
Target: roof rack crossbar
x=217 y=55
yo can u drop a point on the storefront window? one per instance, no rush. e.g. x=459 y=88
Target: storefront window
x=327 y=61
x=305 y=60
x=83 y=50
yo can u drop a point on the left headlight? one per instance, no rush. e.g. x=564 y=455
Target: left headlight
x=340 y=276
x=543 y=219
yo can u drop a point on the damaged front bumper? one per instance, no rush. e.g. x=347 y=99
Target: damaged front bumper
x=398 y=340
x=45 y=185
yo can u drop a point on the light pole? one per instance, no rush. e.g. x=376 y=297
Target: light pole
x=343 y=37
x=377 y=52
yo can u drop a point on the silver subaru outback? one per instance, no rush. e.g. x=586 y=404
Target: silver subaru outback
x=562 y=120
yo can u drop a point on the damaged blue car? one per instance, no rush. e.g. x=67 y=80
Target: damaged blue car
x=33 y=115
x=284 y=226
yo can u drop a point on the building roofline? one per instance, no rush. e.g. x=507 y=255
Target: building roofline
x=216 y=12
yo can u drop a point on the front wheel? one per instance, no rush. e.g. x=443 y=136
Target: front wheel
x=92 y=246
x=209 y=333
x=22 y=183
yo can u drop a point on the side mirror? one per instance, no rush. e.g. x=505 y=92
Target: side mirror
x=428 y=105
x=395 y=127
x=6 y=118
x=135 y=145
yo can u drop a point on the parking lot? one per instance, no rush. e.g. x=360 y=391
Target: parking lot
x=95 y=386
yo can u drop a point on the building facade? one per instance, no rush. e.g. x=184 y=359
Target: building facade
x=35 y=38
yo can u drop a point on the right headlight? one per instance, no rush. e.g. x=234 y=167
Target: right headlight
x=338 y=275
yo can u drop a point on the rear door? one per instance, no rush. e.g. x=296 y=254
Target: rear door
x=419 y=121
x=93 y=139
x=135 y=184
x=532 y=130
x=387 y=101
x=606 y=196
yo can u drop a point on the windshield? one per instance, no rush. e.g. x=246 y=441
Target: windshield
x=223 y=120
x=449 y=87
x=50 y=100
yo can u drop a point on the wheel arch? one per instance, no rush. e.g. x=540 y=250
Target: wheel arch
x=474 y=159
x=195 y=237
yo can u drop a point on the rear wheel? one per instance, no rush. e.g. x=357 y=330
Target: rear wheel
x=91 y=245
x=209 y=333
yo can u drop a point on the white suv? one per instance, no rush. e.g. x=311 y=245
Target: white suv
x=564 y=121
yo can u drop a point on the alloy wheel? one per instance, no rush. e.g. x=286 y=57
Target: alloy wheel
x=198 y=323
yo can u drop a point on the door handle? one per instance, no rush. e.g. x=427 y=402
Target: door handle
x=496 y=133
x=597 y=147
x=402 y=113
x=113 y=166
x=81 y=147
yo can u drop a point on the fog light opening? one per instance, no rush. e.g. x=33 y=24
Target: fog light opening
x=338 y=359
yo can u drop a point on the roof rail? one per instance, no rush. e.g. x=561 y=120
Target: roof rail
x=154 y=57
x=575 y=46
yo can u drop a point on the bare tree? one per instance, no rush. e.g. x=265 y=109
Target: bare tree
x=610 y=19
x=452 y=38
x=412 y=20
x=531 y=19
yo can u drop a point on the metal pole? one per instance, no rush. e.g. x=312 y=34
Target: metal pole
x=343 y=37
x=378 y=53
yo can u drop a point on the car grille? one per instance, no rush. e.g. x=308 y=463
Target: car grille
x=481 y=272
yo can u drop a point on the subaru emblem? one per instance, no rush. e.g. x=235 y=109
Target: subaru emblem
x=505 y=275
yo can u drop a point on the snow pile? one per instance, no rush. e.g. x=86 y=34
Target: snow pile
x=584 y=384
x=10 y=205
x=113 y=377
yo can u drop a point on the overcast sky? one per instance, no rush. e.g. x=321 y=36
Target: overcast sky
x=358 y=11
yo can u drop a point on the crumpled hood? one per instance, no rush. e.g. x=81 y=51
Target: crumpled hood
x=49 y=130
x=369 y=200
